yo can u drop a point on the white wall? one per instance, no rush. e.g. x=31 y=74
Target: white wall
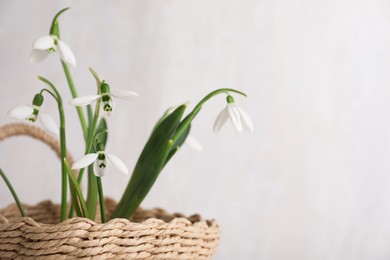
x=311 y=183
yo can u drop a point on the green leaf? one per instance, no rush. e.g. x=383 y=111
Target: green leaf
x=77 y=195
x=149 y=165
x=96 y=76
x=11 y=189
x=179 y=142
x=90 y=115
x=92 y=196
x=102 y=131
x=166 y=113
x=54 y=29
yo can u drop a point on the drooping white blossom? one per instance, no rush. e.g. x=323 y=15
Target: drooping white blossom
x=49 y=44
x=108 y=103
x=32 y=113
x=193 y=143
x=100 y=163
x=239 y=118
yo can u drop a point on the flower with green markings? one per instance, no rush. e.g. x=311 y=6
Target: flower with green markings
x=237 y=116
x=100 y=161
x=172 y=131
x=32 y=113
x=45 y=45
x=106 y=96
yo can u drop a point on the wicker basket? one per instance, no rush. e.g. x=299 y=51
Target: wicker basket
x=149 y=234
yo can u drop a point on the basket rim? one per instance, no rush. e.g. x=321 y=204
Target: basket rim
x=120 y=238
x=183 y=219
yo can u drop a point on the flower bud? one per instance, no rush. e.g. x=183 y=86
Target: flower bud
x=230 y=99
x=38 y=100
x=104 y=88
x=37 y=103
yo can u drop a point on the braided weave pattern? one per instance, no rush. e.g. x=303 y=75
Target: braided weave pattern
x=149 y=234
x=11 y=130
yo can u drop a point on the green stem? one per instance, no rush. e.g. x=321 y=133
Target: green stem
x=186 y=121
x=78 y=192
x=71 y=210
x=101 y=200
x=64 y=177
x=91 y=188
x=11 y=189
x=72 y=88
x=54 y=29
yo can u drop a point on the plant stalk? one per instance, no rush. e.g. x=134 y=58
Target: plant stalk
x=188 y=119
x=77 y=190
x=11 y=189
x=73 y=91
x=101 y=199
x=91 y=188
x=64 y=175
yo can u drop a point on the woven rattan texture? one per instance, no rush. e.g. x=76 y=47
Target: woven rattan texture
x=11 y=130
x=149 y=234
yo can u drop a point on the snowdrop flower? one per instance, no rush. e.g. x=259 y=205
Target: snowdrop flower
x=48 y=44
x=106 y=96
x=193 y=143
x=237 y=116
x=100 y=162
x=32 y=113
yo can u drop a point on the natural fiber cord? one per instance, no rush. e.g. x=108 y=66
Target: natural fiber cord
x=10 y=130
x=149 y=234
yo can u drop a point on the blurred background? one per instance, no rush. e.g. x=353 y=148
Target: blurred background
x=312 y=182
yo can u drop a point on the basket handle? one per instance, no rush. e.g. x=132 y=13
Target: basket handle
x=17 y=129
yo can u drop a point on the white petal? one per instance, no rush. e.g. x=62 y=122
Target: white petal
x=38 y=55
x=221 y=120
x=124 y=94
x=97 y=170
x=48 y=123
x=44 y=43
x=84 y=161
x=66 y=53
x=234 y=116
x=193 y=143
x=118 y=163
x=82 y=101
x=246 y=120
x=20 y=112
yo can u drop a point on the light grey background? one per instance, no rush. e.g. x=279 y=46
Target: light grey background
x=311 y=183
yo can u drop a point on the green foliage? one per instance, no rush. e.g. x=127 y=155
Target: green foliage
x=11 y=189
x=92 y=197
x=150 y=163
x=166 y=138
x=102 y=131
x=54 y=29
x=75 y=190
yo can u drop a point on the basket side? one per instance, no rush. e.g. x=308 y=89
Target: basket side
x=156 y=235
